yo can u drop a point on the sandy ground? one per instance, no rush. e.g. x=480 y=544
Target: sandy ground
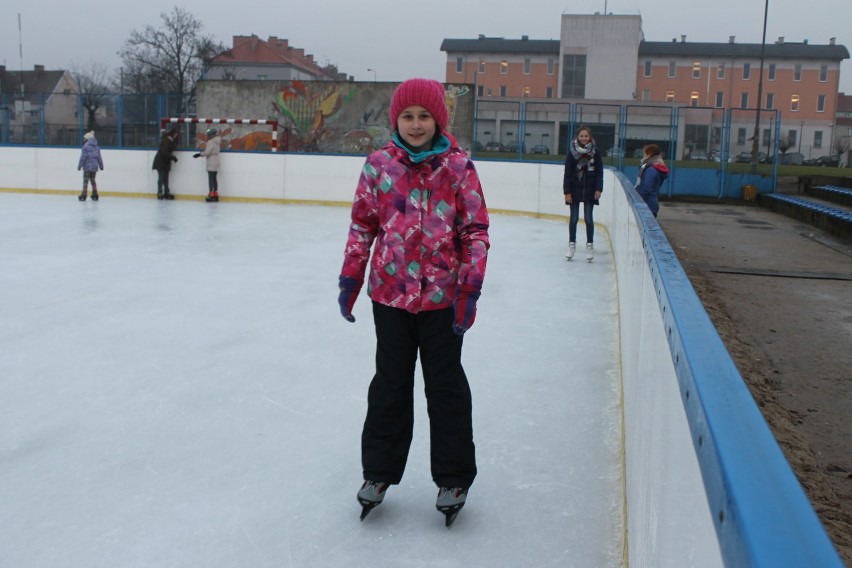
x=778 y=292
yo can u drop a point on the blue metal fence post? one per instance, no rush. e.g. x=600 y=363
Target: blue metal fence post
x=673 y=149
x=119 y=117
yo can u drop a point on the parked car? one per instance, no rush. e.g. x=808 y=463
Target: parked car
x=790 y=158
x=698 y=154
x=493 y=147
x=540 y=149
x=614 y=152
x=824 y=162
x=515 y=147
x=745 y=158
x=476 y=146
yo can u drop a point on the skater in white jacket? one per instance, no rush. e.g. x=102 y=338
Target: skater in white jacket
x=211 y=153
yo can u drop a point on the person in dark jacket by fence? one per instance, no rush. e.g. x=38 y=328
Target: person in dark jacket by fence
x=582 y=182
x=652 y=173
x=90 y=162
x=163 y=163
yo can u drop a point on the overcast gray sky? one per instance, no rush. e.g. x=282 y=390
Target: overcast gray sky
x=397 y=39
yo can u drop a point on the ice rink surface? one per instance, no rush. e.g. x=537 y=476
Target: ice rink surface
x=178 y=389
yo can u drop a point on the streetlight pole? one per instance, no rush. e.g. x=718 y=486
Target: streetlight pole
x=374 y=74
x=755 y=141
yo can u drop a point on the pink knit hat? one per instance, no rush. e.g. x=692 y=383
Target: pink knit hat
x=423 y=92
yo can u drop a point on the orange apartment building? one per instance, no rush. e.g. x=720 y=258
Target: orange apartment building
x=504 y=67
x=605 y=59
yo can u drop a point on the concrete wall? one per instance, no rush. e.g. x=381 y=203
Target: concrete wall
x=706 y=483
x=610 y=44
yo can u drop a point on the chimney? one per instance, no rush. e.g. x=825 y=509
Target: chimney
x=832 y=40
x=805 y=41
x=731 y=39
x=38 y=68
x=481 y=36
x=683 y=39
x=525 y=38
x=780 y=40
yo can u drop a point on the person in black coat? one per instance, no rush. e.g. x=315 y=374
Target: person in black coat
x=163 y=162
x=582 y=182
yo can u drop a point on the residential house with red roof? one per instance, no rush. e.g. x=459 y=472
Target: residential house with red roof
x=251 y=58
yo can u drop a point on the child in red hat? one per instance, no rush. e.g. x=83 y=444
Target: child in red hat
x=420 y=201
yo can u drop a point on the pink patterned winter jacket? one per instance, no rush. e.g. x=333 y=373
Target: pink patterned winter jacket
x=430 y=225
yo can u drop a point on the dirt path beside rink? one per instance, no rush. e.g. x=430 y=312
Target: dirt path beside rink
x=779 y=293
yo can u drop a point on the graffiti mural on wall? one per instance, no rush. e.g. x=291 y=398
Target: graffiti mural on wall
x=322 y=116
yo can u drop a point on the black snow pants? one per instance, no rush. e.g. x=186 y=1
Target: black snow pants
x=389 y=425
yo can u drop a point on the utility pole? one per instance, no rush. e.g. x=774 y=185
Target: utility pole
x=755 y=143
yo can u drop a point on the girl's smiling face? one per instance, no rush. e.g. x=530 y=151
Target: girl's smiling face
x=417 y=127
x=583 y=137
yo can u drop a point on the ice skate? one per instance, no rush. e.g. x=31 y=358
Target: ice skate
x=168 y=195
x=95 y=195
x=371 y=495
x=212 y=197
x=590 y=251
x=82 y=196
x=572 y=248
x=450 y=501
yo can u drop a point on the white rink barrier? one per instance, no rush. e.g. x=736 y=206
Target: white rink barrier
x=706 y=483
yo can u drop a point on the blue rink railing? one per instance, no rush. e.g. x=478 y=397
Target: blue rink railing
x=760 y=511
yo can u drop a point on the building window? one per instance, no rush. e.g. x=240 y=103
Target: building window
x=770 y=101
x=574 y=76
x=670 y=96
x=480 y=90
x=823 y=73
x=647 y=72
x=720 y=99
x=820 y=103
x=551 y=66
x=504 y=67
x=459 y=64
x=746 y=72
x=818 y=139
x=771 y=72
x=741 y=136
x=696 y=70
x=792 y=137
x=693 y=99
x=646 y=94
x=525 y=92
x=743 y=100
x=672 y=69
x=502 y=90
x=527 y=66
x=549 y=92
x=797 y=72
x=720 y=72
x=794 y=103
x=481 y=65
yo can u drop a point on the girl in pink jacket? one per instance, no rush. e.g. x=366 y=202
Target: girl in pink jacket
x=419 y=201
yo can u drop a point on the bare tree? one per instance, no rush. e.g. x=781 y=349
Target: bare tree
x=93 y=85
x=785 y=143
x=169 y=59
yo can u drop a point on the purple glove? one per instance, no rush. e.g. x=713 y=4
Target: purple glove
x=349 y=288
x=464 y=308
